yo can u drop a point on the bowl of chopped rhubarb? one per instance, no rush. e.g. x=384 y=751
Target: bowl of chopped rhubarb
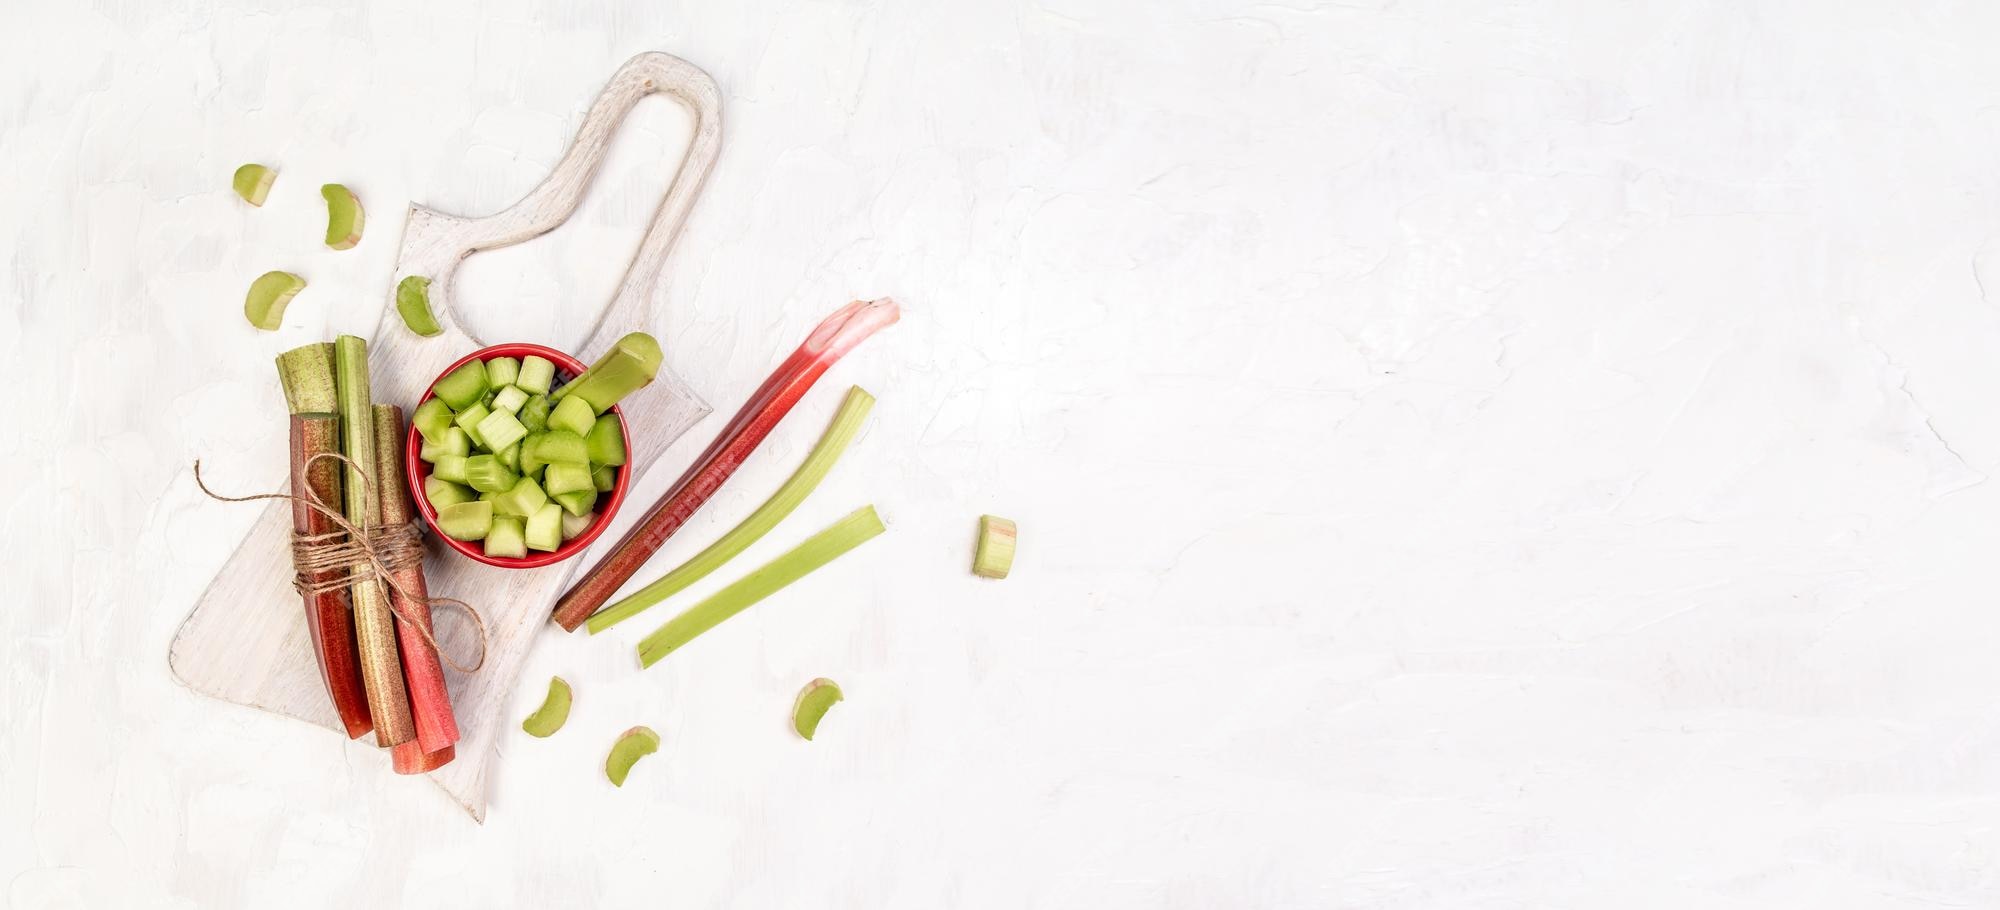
x=508 y=465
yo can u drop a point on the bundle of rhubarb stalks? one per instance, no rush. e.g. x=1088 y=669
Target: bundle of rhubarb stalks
x=371 y=634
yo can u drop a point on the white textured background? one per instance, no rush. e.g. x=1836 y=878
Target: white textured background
x=1468 y=454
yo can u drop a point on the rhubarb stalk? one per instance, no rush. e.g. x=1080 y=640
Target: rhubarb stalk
x=327 y=615
x=818 y=550
x=430 y=700
x=834 y=337
x=374 y=625
x=846 y=422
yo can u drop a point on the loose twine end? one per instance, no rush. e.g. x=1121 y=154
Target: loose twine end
x=366 y=555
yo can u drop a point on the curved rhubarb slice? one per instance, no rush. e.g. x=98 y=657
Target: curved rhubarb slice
x=834 y=337
x=812 y=704
x=632 y=745
x=344 y=217
x=253 y=183
x=264 y=306
x=553 y=713
x=413 y=303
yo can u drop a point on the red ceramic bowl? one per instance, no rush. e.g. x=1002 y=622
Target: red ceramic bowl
x=418 y=470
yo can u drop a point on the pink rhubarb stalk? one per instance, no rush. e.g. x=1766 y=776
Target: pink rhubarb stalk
x=834 y=337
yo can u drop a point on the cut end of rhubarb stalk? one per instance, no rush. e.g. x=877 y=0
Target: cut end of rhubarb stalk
x=850 y=325
x=996 y=547
x=344 y=217
x=253 y=183
x=812 y=704
x=632 y=745
x=553 y=713
x=264 y=306
x=410 y=758
x=413 y=303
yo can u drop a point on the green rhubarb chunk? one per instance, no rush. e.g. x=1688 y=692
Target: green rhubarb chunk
x=572 y=525
x=344 y=217
x=463 y=386
x=537 y=374
x=580 y=502
x=507 y=537
x=486 y=474
x=553 y=713
x=632 y=745
x=466 y=520
x=490 y=495
x=604 y=477
x=502 y=371
x=487 y=399
x=511 y=457
x=567 y=478
x=442 y=492
x=450 y=467
x=432 y=419
x=563 y=447
x=510 y=400
x=469 y=420
x=264 y=306
x=413 y=303
x=996 y=547
x=573 y=414
x=606 y=442
x=253 y=183
x=812 y=704
x=524 y=499
x=500 y=430
x=535 y=413
x=531 y=458
x=626 y=368
x=455 y=443
x=545 y=526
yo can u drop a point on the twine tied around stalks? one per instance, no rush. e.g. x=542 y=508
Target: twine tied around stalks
x=371 y=555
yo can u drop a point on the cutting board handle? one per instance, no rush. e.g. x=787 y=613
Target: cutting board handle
x=551 y=203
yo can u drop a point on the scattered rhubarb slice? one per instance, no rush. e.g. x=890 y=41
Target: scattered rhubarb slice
x=413 y=303
x=253 y=183
x=264 y=306
x=553 y=713
x=996 y=547
x=344 y=217
x=846 y=423
x=834 y=337
x=818 y=550
x=632 y=745
x=812 y=704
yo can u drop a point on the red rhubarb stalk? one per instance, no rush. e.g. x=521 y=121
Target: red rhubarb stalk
x=834 y=337
x=430 y=700
x=410 y=758
x=374 y=625
x=327 y=615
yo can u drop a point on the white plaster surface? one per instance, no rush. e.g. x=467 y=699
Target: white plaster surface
x=1470 y=455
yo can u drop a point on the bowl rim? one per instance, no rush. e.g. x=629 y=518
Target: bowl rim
x=416 y=470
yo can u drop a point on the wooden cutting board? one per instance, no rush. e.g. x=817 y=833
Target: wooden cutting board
x=246 y=639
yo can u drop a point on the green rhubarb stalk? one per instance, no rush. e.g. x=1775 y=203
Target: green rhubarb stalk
x=818 y=550
x=307 y=376
x=374 y=624
x=832 y=444
x=626 y=368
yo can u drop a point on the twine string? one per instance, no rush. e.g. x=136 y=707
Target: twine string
x=351 y=554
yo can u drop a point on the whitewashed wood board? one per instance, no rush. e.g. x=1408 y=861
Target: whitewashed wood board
x=246 y=639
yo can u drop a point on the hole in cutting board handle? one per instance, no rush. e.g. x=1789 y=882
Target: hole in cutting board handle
x=551 y=289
